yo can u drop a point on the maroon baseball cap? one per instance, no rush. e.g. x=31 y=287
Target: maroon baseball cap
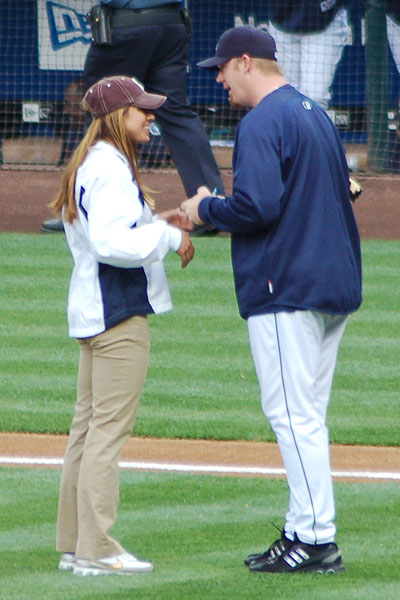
x=237 y=41
x=112 y=93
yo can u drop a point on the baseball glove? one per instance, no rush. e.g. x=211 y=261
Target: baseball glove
x=355 y=189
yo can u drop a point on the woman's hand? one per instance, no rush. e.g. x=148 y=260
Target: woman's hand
x=177 y=218
x=186 y=249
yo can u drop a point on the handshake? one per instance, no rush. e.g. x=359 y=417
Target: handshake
x=185 y=217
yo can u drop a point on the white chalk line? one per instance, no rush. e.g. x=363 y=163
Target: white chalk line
x=187 y=468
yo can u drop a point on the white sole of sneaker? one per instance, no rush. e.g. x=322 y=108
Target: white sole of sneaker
x=65 y=565
x=93 y=571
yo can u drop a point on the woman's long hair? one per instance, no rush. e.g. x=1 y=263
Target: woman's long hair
x=111 y=128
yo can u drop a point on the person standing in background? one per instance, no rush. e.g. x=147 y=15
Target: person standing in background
x=73 y=122
x=393 y=36
x=393 y=29
x=310 y=36
x=149 y=40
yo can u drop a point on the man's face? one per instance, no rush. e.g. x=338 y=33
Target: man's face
x=72 y=104
x=230 y=74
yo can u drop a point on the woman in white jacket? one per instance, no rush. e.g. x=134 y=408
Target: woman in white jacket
x=118 y=278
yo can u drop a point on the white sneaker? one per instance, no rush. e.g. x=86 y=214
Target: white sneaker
x=67 y=561
x=123 y=564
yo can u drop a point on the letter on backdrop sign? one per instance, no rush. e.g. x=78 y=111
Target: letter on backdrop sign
x=64 y=34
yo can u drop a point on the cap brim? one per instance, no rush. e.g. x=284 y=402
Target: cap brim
x=149 y=101
x=212 y=63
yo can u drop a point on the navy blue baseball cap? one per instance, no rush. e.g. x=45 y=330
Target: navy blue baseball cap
x=237 y=41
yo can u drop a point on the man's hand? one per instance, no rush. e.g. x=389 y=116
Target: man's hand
x=186 y=249
x=177 y=218
x=190 y=207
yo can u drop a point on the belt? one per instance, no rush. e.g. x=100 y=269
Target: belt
x=169 y=14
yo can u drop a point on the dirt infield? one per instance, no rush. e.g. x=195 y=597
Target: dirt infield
x=202 y=452
x=25 y=195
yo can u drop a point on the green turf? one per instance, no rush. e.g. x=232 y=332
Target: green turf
x=197 y=531
x=201 y=381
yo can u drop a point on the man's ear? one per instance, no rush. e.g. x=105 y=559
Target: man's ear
x=247 y=61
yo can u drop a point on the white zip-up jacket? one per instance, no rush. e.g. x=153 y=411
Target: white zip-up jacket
x=117 y=246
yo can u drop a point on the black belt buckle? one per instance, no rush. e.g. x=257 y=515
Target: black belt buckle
x=99 y=20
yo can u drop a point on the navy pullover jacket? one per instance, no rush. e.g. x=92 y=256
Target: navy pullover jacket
x=295 y=243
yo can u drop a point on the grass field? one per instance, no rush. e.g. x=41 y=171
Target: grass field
x=201 y=384
x=197 y=530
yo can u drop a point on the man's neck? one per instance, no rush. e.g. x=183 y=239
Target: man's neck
x=265 y=86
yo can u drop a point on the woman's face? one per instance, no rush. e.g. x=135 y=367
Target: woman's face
x=137 y=122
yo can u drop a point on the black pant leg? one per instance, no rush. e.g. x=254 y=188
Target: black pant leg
x=187 y=141
x=158 y=56
x=182 y=128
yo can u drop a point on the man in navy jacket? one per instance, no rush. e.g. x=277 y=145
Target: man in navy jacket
x=297 y=269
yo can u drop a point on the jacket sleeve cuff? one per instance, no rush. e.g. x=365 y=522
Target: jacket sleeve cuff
x=175 y=238
x=203 y=209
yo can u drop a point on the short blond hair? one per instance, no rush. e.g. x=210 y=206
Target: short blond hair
x=265 y=65
x=268 y=67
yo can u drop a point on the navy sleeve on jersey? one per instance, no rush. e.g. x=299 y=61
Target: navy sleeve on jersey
x=258 y=188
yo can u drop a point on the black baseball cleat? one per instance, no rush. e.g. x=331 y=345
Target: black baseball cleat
x=305 y=558
x=52 y=226
x=273 y=552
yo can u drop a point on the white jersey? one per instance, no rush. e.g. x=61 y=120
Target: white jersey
x=117 y=246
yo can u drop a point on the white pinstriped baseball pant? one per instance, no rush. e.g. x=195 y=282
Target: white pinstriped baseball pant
x=309 y=60
x=295 y=355
x=393 y=35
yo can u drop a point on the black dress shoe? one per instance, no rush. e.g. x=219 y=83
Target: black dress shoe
x=53 y=226
x=204 y=230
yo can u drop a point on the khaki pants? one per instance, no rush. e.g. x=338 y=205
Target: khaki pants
x=112 y=372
